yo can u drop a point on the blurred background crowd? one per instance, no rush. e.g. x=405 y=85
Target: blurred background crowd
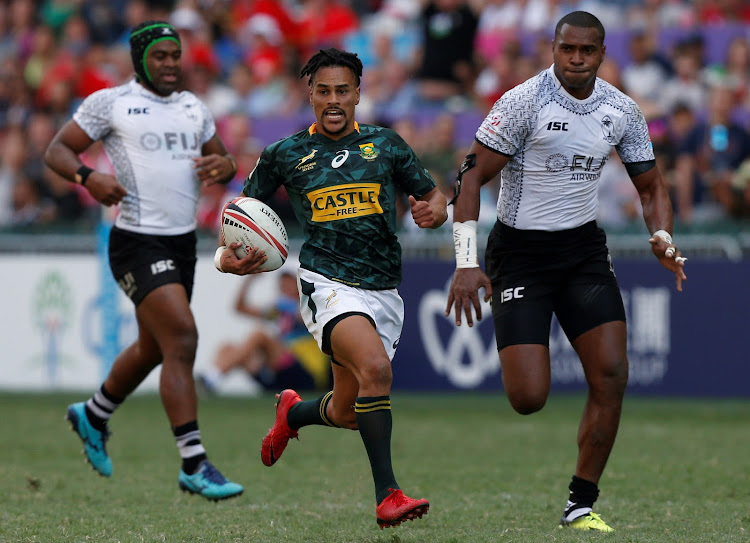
x=433 y=69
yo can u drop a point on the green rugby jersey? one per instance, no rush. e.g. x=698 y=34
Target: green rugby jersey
x=343 y=193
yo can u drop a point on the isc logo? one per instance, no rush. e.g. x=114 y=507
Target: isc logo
x=557 y=125
x=162 y=266
x=510 y=293
x=138 y=111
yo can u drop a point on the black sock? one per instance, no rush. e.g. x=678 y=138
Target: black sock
x=188 y=439
x=100 y=407
x=375 y=425
x=583 y=493
x=309 y=413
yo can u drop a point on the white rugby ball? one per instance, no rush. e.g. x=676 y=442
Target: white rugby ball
x=254 y=224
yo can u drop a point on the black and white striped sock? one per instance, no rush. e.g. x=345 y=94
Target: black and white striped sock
x=192 y=452
x=100 y=407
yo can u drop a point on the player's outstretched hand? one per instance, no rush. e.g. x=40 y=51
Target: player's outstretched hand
x=242 y=266
x=670 y=257
x=464 y=293
x=105 y=189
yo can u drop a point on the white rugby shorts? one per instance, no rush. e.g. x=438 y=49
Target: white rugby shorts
x=328 y=299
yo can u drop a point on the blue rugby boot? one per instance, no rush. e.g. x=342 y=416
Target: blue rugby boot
x=209 y=483
x=94 y=441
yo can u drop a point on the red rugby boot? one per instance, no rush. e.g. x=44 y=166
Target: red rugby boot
x=279 y=434
x=397 y=507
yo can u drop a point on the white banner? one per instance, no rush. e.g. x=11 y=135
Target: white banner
x=52 y=334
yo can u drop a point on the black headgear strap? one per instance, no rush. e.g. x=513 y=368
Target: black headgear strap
x=469 y=162
x=142 y=38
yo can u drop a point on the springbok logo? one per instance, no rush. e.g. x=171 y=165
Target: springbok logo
x=464 y=357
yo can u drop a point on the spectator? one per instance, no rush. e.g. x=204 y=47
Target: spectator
x=734 y=72
x=741 y=191
x=714 y=151
x=447 y=67
x=277 y=355
x=325 y=23
x=440 y=154
x=12 y=163
x=645 y=75
x=686 y=85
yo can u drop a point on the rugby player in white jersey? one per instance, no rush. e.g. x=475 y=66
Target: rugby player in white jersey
x=550 y=137
x=163 y=145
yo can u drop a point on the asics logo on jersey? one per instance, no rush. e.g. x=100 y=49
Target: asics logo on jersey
x=345 y=201
x=340 y=158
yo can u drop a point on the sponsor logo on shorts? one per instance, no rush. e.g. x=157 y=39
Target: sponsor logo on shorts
x=511 y=294
x=127 y=284
x=330 y=301
x=345 y=201
x=161 y=266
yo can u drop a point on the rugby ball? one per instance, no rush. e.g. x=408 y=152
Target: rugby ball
x=254 y=224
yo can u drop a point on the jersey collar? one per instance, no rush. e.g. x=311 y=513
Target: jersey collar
x=314 y=128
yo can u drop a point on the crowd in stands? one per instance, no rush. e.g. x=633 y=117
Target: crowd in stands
x=433 y=68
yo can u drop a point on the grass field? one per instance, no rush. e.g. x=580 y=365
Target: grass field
x=680 y=472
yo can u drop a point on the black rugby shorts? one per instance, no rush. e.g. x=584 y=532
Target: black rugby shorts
x=142 y=262
x=536 y=273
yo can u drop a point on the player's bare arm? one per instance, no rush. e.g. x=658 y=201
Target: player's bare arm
x=62 y=157
x=657 y=212
x=480 y=166
x=429 y=211
x=216 y=165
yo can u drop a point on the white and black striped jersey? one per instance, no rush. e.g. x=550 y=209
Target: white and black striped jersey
x=558 y=146
x=151 y=141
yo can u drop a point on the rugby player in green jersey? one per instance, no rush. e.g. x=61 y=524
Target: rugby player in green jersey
x=342 y=179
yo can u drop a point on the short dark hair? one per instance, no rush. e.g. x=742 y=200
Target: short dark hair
x=581 y=19
x=332 y=57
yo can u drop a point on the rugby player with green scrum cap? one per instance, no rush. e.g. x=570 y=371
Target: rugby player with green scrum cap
x=164 y=147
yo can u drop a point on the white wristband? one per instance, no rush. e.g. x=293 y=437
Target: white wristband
x=465 y=243
x=217 y=257
x=663 y=234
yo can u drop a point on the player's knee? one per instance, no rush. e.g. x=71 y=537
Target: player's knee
x=183 y=346
x=526 y=405
x=612 y=379
x=377 y=374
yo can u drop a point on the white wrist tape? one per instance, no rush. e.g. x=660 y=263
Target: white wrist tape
x=217 y=257
x=663 y=234
x=465 y=243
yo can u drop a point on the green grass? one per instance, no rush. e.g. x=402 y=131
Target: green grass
x=680 y=472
